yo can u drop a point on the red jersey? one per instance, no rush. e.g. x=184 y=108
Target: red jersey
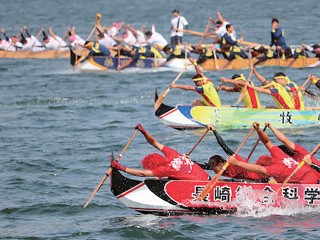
x=239 y=173
x=284 y=165
x=300 y=152
x=179 y=167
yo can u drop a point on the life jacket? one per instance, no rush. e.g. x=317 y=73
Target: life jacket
x=296 y=95
x=251 y=98
x=210 y=96
x=282 y=97
x=270 y=54
x=96 y=47
x=156 y=52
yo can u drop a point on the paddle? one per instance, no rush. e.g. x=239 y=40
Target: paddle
x=255 y=145
x=241 y=96
x=197 y=143
x=214 y=180
x=110 y=170
x=205 y=32
x=215 y=59
x=253 y=44
x=297 y=168
x=98 y=17
x=164 y=94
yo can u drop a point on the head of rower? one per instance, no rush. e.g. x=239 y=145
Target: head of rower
x=275 y=23
x=281 y=78
x=199 y=80
x=216 y=163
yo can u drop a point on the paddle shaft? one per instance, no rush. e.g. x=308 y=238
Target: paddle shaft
x=213 y=181
x=110 y=170
x=215 y=59
x=255 y=145
x=197 y=143
x=205 y=32
x=163 y=95
x=241 y=96
x=297 y=168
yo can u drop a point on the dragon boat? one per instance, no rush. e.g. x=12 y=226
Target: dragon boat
x=177 y=197
x=105 y=63
x=47 y=54
x=186 y=117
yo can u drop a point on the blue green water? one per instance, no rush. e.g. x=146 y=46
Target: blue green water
x=58 y=128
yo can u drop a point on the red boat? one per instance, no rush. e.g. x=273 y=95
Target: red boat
x=177 y=197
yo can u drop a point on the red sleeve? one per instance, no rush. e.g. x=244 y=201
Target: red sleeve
x=301 y=150
x=277 y=153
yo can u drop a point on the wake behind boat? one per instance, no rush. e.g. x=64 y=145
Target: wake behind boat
x=184 y=117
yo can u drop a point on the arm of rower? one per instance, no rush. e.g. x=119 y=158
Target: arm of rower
x=139 y=172
x=286 y=141
x=150 y=139
x=220 y=17
x=227 y=89
x=184 y=87
x=260 y=89
x=248 y=166
x=260 y=77
x=265 y=139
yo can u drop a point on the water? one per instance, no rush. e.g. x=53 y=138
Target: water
x=58 y=128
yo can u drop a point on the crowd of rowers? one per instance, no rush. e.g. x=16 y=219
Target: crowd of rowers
x=276 y=166
x=285 y=93
x=139 y=44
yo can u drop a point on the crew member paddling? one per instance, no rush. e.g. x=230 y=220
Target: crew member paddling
x=279 y=94
x=281 y=166
x=172 y=164
x=250 y=99
x=204 y=87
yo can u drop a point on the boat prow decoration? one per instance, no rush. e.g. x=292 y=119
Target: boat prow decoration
x=177 y=197
x=177 y=117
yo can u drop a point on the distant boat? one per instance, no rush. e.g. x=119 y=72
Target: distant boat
x=184 y=117
x=60 y=53
x=105 y=63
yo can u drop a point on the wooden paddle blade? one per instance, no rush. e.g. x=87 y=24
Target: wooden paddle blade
x=212 y=183
x=98 y=187
x=158 y=102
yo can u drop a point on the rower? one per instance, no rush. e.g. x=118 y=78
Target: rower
x=250 y=99
x=281 y=166
x=205 y=53
x=227 y=37
x=216 y=163
x=220 y=29
x=141 y=53
x=232 y=52
x=174 y=52
x=173 y=164
x=127 y=37
x=262 y=54
x=53 y=41
x=76 y=41
x=155 y=38
x=204 y=87
x=294 y=150
x=30 y=42
x=278 y=92
x=96 y=49
x=139 y=35
x=8 y=44
x=315 y=80
x=313 y=48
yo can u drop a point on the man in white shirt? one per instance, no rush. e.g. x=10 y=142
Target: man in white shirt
x=155 y=38
x=221 y=27
x=178 y=23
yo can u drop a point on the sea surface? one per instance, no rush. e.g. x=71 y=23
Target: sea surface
x=58 y=128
